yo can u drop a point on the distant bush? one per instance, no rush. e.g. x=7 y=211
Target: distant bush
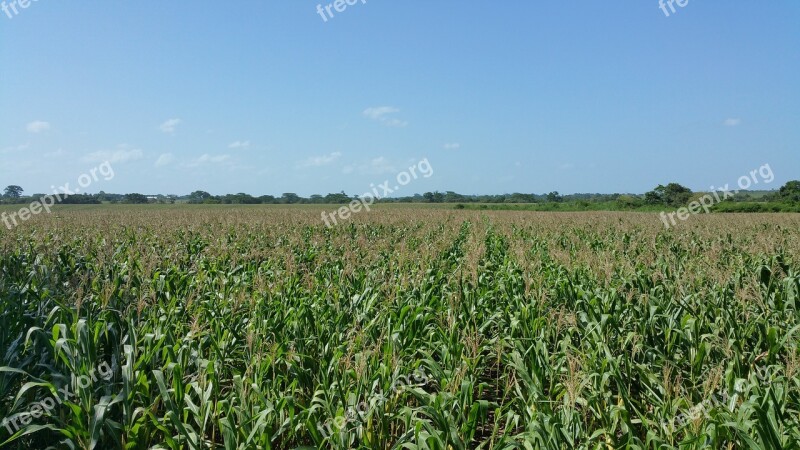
x=136 y=199
x=753 y=207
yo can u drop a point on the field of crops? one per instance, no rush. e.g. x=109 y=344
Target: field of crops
x=259 y=328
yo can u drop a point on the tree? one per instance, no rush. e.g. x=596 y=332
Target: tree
x=240 y=199
x=13 y=192
x=655 y=197
x=629 y=202
x=434 y=197
x=136 y=199
x=677 y=195
x=672 y=194
x=199 y=196
x=790 y=192
x=290 y=198
x=80 y=199
x=267 y=199
x=338 y=199
x=452 y=197
x=554 y=197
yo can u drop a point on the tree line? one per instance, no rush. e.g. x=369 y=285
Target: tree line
x=670 y=195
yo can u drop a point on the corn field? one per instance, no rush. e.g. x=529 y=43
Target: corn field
x=404 y=328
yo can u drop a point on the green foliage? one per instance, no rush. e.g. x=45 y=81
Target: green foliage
x=198 y=197
x=629 y=202
x=135 y=199
x=756 y=207
x=790 y=192
x=673 y=195
x=290 y=198
x=554 y=197
x=13 y=192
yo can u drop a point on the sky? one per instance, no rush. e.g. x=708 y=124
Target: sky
x=269 y=96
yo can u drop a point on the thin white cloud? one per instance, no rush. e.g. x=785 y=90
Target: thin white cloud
x=18 y=148
x=56 y=154
x=378 y=112
x=164 y=160
x=208 y=159
x=319 y=161
x=239 y=144
x=122 y=154
x=452 y=146
x=381 y=113
x=381 y=165
x=395 y=123
x=37 y=126
x=566 y=166
x=376 y=166
x=732 y=122
x=170 y=125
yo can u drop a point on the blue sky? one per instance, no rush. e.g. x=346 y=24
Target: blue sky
x=266 y=97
